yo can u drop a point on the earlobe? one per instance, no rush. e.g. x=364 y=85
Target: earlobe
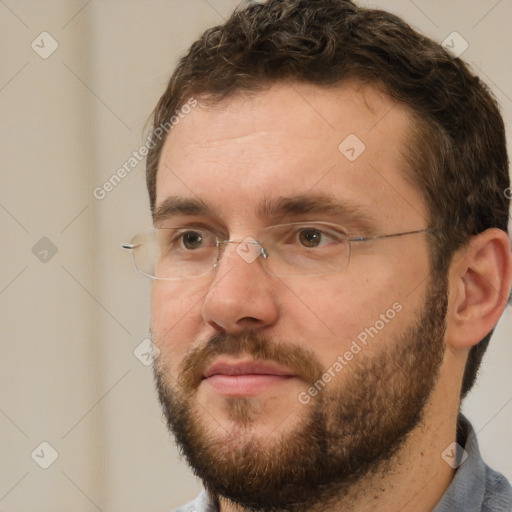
x=480 y=280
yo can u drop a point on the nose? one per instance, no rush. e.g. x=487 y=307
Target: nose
x=241 y=296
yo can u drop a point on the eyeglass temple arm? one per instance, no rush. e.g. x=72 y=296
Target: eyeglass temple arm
x=393 y=235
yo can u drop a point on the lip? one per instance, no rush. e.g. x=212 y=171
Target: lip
x=245 y=378
x=224 y=367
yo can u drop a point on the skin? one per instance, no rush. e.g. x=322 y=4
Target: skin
x=284 y=142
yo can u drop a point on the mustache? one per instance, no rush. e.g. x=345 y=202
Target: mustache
x=301 y=361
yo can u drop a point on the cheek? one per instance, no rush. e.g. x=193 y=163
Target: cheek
x=347 y=307
x=176 y=315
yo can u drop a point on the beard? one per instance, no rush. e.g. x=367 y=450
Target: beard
x=348 y=431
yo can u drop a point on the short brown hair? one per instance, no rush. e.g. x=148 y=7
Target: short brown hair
x=457 y=156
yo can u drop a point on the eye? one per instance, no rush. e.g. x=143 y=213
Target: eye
x=191 y=240
x=310 y=237
x=185 y=239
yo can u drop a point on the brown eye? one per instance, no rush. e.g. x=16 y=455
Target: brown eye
x=192 y=240
x=310 y=237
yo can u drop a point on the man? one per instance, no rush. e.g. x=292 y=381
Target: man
x=330 y=257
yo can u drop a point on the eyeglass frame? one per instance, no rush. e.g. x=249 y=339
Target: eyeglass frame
x=219 y=242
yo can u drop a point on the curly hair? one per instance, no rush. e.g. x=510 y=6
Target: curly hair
x=457 y=156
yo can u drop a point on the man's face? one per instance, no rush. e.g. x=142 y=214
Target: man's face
x=247 y=371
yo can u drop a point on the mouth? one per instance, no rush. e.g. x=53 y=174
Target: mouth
x=245 y=378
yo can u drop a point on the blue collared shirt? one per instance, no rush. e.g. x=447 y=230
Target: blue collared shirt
x=475 y=487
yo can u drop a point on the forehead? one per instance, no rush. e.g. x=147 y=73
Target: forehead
x=293 y=140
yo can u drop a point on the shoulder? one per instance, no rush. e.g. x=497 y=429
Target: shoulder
x=475 y=487
x=498 y=492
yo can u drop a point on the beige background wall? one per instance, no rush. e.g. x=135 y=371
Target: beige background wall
x=72 y=308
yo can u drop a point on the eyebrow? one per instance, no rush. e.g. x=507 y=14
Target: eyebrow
x=302 y=204
x=174 y=206
x=312 y=203
x=344 y=210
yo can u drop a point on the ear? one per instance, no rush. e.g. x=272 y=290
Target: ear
x=479 y=278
